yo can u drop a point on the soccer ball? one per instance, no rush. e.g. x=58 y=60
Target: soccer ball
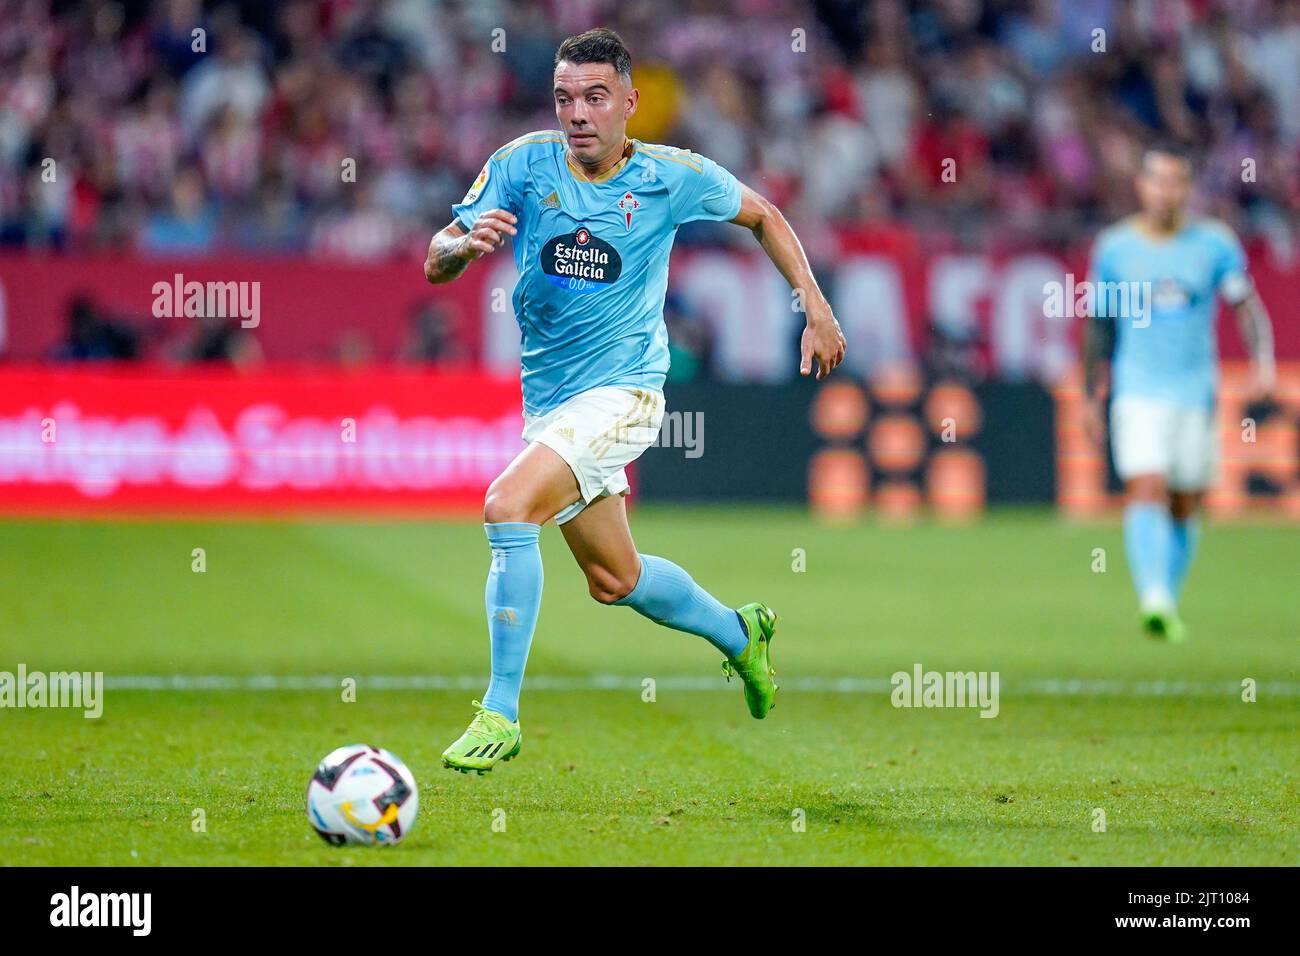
x=364 y=795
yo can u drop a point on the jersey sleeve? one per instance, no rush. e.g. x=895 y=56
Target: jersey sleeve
x=707 y=192
x=1232 y=280
x=491 y=190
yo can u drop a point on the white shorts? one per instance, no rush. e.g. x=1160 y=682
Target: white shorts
x=598 y=432
x=1154 y=437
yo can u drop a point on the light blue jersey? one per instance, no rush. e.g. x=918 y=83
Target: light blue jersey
x=593 y=258
x=1175 y=356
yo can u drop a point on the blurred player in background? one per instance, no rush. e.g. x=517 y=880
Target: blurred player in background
x=594 y=214
x=1169 y=268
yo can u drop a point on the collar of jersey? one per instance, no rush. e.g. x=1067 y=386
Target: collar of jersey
x=608 y=174
x=1161 y=240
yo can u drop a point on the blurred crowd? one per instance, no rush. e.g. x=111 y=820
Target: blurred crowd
x=239 y=138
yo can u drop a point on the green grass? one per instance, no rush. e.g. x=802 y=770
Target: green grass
x=1190 y=777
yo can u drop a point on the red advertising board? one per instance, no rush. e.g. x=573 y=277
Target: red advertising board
x=890 y=302
x=153 y=439
x=305 y=308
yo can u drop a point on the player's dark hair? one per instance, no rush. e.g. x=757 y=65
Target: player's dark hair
x=597 y=46
x=1172 y=148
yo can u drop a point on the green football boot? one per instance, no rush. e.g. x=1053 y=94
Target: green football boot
x=754 y=664
x=1164 y=623
x=490 y=739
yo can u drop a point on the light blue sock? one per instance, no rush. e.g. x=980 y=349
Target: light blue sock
x=1149 y=541
x=669 y=596
x=513 y=598
x=1186 y=536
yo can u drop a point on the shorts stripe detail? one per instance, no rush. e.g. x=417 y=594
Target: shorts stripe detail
x=602 y=443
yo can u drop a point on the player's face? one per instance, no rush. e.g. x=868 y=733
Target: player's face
x=593 y=105
x=1163 y=186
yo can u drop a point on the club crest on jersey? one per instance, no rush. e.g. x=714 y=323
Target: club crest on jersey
x=1170 y=294
x=628 y=205
x=581 y=262
x=477 y=187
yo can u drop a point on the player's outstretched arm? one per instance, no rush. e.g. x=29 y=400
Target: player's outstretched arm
x=822 y=339
x=1098 y=350
x=452 y=249
x=1257 y=330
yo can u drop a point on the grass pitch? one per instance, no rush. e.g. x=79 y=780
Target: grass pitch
x=1156 y=737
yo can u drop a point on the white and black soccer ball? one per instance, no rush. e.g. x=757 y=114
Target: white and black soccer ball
x=363 y=795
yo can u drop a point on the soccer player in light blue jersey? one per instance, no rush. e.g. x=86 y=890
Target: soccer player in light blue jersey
x=593 y=214
x=1151 y=345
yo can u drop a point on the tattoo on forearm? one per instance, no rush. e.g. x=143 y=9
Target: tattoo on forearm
x=445 y=261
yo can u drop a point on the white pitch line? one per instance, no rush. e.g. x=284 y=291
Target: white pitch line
x=1050 y=687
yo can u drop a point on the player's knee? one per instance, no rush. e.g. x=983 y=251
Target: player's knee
x=1147 y=489
x=500 y=504
x=608 y=587
x=1183 y=506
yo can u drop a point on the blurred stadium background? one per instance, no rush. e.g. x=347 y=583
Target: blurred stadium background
x=303 y=158
x=305 y=151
